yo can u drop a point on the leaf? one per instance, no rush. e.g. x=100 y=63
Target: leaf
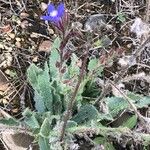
x=130 y=122
x=32 y=122
x=45 y=128
x=45 y=92
x=144 y=102
x=43 y=143
x=121 y=17
x=74 y=69
x=27 y=113
x=39 y=103
x=71 y=124
x=92 y=64
x=32 y=73
x=85 y=114
x=57 y=97
x=91 y=90
x=116 y=104
x=103 y=116
x=98 y=43
x=54 y=57
x=9 y=121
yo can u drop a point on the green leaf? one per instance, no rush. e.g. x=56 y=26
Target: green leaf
x=98 y=43
x=130 y=122
x=121 y=17
x=85 y=114
x=103 y=116
x=143 y=102
x=93 y=64
x=40 y=81
x=57 y=97
x=9 y=121
x=54 y=57
x=43 y=143
x=91 y=90
x=45 y=92
x=116 y=105
x=56 y=44
x=27 y=113
x=71 y=124
x=32 y=122
x=39 y=103
x=74 y=69
x=45 y=128
x=32 y=73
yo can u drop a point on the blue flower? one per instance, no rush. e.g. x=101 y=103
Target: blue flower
x=53 y=14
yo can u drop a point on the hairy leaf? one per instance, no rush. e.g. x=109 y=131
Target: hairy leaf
x=54 y=58
x=85 y=114
x=43 y=143
x=45 y=128
x=130 y=122
x=32 y=122
x=9 y=121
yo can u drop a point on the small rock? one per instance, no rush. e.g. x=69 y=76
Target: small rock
x=1 y=46
x=76 y=25
x=35 y=59
x=11 y=35
x=43 y=6
x=51 y=31
x=95 y=22
x=24 y=24
x=18 y=44
x=24 y=15
x=18 y=39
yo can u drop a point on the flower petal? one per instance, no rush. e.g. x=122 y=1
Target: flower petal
x=50 y=8
x=48 y=18
x=61 y=10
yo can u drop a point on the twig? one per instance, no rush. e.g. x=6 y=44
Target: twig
x=140 y=49
x=72 y=101
x=147 y=11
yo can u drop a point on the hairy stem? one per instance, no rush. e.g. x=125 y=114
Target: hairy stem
x=72 y=101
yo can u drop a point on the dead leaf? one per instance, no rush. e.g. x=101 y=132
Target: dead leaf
x=6 y=28
x=14 y=141
x=45 y=46
x=3 y=82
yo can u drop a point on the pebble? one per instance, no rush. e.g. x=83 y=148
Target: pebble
x=24 y=15
x=1 y=46
x=11 y=35
x=24 y=24
x=51 y=31
x=18 y=44
x=95 y=22
x=43 y=6
x=18 y=39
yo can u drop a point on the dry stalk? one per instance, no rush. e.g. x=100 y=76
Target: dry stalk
x=139 y=76
x=147 y=16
